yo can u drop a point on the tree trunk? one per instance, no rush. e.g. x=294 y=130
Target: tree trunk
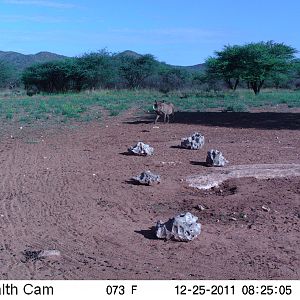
x=260 y=85
x=236 y=83
x=254 y=87
x=229 y=83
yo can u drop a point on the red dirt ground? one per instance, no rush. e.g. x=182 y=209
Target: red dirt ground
x=68 y=190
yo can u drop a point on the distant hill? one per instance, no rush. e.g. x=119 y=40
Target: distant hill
x=129 y=53
x=194 y=68
x=22 y=61
x=198 y=67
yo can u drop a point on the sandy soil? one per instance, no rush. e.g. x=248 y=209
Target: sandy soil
x=68 y=190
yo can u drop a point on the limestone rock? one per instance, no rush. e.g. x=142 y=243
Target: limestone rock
x=183 y=227
x=194 y=142
x=259 y=171
x=147 y=178
x=141 y=149
x=215 y=158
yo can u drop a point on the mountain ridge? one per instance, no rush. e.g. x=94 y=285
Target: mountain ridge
x=21 y=61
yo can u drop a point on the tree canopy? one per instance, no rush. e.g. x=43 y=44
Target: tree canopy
x=254 y=63
x=6 y=73
x=90 y=71
x=226 y=65
x=136 y=70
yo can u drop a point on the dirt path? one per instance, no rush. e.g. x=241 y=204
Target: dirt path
x=68 y=190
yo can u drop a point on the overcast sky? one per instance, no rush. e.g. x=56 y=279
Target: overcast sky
x=176 y=32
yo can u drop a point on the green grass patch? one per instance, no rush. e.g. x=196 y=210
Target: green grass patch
x=9 y=113
x=236 y=107
x=87 y=106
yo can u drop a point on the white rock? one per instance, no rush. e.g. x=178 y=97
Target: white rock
x=141 y=149
x=147 y=178
x=183 y=227
x=194 y=142
x=215 y=158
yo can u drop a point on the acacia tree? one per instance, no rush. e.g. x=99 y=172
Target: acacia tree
x=254 y=63
x=171 y=78
x=264 y=60
x=48 y=77
x=226 y=65
x=98 y=69
x=136 y=70
x=91 y=70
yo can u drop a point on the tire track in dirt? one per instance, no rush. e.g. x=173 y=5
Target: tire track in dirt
x=54 y=207
x=60 y=185
x=33 y=212
x=11 y=212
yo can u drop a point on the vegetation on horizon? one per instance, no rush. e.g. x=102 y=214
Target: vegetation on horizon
x=103 y=70
x=253 y=66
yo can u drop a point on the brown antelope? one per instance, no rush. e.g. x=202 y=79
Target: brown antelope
x=163 y=109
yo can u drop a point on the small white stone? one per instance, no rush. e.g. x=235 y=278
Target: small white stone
x=265 y=208
x=200 y=207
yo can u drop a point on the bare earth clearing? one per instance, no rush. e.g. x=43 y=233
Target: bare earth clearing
x=67 y=190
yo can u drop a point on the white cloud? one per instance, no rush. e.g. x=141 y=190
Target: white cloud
x=41 y=3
